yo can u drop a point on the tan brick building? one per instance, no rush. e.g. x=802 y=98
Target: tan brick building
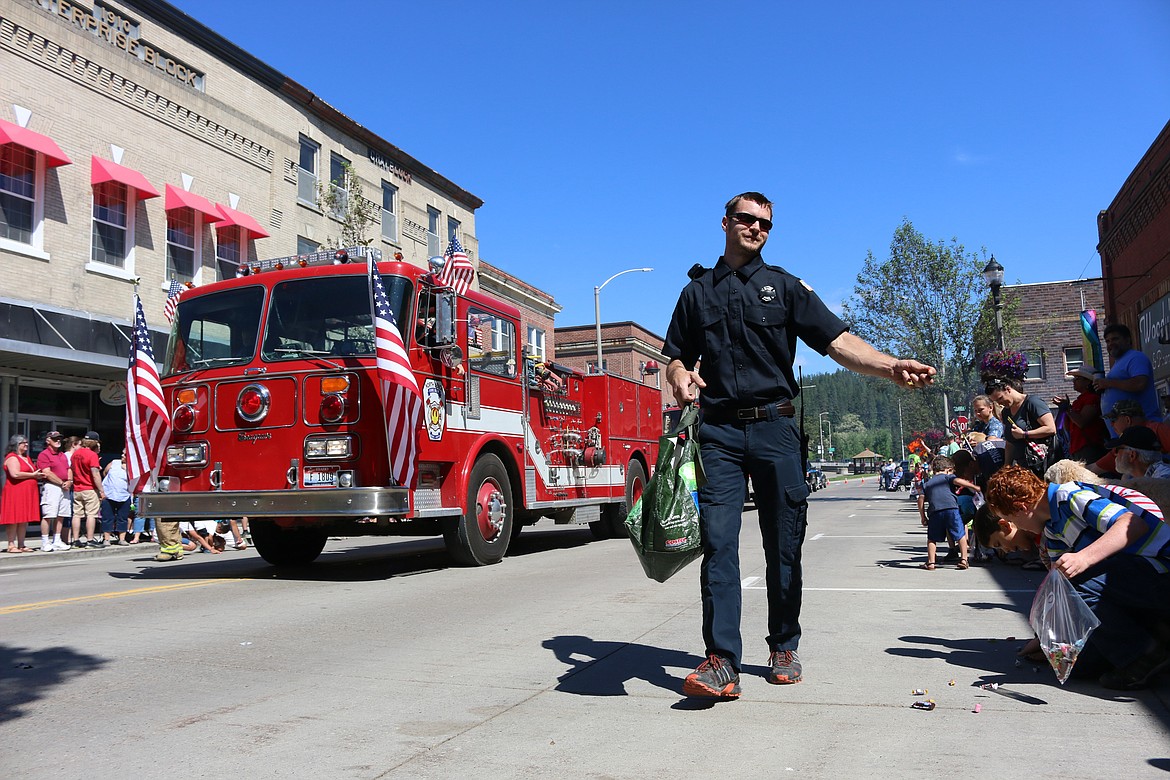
x=537 y=308
x=136 y=144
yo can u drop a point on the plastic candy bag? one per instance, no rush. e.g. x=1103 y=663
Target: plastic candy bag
x=664 y=522
x=1062 y=622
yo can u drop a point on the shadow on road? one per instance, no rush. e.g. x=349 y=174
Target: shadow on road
x=27 y=675
x=589 y=674
x=343 y=560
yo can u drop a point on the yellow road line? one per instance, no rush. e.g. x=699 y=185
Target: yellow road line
x=112 y=595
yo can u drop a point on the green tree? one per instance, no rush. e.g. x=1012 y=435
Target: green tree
x=344 y=201
x=926 y=300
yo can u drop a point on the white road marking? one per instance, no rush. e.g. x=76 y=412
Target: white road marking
x=818 y=536
x=905 y=590
x=853 y=515
x=750 y=581
x=887 y=536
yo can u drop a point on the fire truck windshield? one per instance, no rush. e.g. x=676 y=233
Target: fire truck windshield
x=328 y=316
x=218 y=329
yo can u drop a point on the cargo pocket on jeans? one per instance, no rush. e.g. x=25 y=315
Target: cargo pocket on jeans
x=796 y=497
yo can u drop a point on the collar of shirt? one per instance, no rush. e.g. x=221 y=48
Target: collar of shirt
x=745 y=272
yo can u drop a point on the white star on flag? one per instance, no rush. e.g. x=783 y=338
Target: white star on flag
x=402 y=403
x=173 y=294
x=148 y=424
x=457 y=271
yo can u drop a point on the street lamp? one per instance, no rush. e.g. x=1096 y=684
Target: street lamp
x=993 y=273
x=821 y=431
x=597 y=305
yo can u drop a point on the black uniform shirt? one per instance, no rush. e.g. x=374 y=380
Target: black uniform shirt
x=743 y=325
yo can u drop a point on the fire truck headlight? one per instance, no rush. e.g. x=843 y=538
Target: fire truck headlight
x=164 y=484
x=328 y=447
x=187 y=455
x=345 y=479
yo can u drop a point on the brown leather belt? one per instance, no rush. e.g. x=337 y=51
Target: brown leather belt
x=751 y=414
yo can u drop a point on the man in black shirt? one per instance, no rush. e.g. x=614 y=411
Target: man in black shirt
x=741 y=319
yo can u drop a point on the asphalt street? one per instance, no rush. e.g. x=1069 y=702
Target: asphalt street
x=382 y=660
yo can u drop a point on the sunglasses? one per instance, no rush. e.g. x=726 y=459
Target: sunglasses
x=743 y=218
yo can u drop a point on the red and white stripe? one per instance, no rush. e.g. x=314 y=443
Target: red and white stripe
x=402 y=403
x=148 y=423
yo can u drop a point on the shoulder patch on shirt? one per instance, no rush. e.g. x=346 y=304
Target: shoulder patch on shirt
x=697 y=270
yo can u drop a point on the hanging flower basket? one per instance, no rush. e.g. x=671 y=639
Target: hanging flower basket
x=1003 y=364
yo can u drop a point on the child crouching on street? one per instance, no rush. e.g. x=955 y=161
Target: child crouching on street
x=1113 y=544
x=943 y=518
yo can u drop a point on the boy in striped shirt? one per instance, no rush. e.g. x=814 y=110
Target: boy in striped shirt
x=1113 y=544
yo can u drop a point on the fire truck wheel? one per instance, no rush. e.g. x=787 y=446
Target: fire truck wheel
x=481 y=536
x=613 y=516
x=286 y=546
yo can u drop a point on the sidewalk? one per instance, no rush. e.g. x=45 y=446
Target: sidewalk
x=14 y=560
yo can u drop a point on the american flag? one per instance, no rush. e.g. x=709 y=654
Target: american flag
x=457 y=271
x=172 y=300
x=148 y=425
x=402 y=403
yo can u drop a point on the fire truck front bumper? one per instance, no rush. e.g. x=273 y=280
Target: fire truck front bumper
x=220 y=504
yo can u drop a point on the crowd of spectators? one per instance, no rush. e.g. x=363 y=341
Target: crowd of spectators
x=80 y=504
x=1080 y=485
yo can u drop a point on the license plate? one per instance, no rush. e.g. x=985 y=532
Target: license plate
x=319 y=476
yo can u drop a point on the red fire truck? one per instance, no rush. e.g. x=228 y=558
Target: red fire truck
x=272 y=387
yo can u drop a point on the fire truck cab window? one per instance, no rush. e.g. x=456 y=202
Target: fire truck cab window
x=327 y=316
x=215 y=330
x=491 y=343
x=435 y=319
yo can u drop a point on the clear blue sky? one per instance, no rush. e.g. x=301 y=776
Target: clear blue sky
x=607 y=135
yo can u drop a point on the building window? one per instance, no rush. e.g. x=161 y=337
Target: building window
x=112 y=210
x=491 y=343
x=229 y=248
x=452 y=229
x=307 y=173
x=306 y=246
x=182 y=242
x=433 y=217
x=18 y=193
x=1035 y=364
x=389 y=212
x=338 y=186
x=1074 y=358
x=536 y=342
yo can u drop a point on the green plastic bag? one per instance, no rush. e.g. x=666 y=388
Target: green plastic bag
x=664 y=522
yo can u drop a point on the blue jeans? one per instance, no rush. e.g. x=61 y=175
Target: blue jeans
x=769 y=452
x=115 y=516
x=1127 y=595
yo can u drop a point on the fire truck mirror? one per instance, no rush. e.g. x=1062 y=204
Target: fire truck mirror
x=452 y=356
x=445 y=321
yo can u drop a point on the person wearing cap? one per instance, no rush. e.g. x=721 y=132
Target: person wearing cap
x=951 y=446
x=1082 y=417
x=87 y=490
x=1130 y=377
x=56 y=504
x=1140 y=454
x=1125 y=414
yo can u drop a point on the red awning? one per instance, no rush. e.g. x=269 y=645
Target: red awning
x=181 y=199
x=102 y=171
x=15 y=134
x=233 y=217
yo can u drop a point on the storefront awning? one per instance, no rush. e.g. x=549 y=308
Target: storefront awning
x=232 y=217
x=181 y=199
x=102 y=171
x=42 y=144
